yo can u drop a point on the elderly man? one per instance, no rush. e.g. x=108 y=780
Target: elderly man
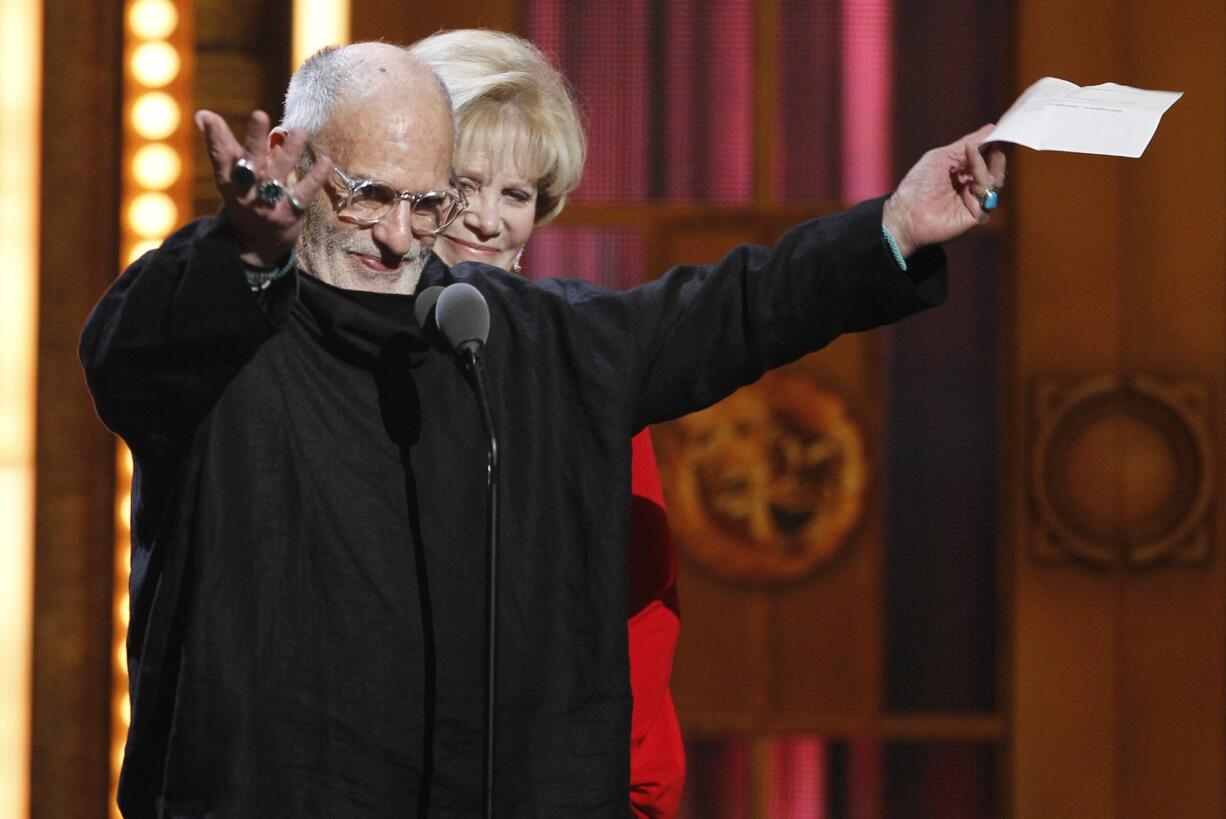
x=308 y=531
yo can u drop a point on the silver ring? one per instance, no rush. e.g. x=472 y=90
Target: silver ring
x=242 y=175
x=297 y=206
x=270 y=191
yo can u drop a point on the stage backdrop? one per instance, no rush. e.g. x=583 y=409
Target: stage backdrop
x=966 y=567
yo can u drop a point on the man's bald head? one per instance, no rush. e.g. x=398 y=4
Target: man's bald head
x=354 y=77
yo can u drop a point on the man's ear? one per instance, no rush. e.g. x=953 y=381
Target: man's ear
x=277 y=137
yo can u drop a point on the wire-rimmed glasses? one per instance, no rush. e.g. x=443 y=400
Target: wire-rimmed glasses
x=368 y=201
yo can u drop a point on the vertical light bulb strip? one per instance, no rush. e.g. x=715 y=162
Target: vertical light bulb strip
x=156 y=198
x=318 y=23
x=20 y=112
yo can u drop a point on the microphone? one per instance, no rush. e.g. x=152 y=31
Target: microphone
x=463 y=317
x=427 y=322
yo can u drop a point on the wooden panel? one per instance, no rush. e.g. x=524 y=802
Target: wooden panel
x=1171 y=732
x=801 y=655
x=1064 y=707
x=1173 y=743
x=1065 y=699
x=1117 y=691
x=242 y=62
x=75 y=454
x=725 y=627
x=826 y=633
x=399 y=22
x=721 y=673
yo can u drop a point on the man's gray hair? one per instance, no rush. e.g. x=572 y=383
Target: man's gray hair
x=329 y=76
x=315 y=89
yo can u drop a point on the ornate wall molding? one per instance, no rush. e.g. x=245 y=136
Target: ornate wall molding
x=1121 y=472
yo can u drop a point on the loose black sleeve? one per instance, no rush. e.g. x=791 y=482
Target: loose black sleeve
x=172 y=331
x=700 y=332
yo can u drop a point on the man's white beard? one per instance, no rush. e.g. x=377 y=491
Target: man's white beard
x=328 y=255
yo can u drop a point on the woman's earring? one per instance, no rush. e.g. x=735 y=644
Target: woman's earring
x=515 y=265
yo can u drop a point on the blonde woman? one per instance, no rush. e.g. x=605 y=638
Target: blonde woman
x=519 y=152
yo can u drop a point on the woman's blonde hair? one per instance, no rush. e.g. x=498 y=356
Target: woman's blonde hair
x=512 y=105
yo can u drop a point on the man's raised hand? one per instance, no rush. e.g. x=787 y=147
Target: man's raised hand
x=941 y=197
x=267 y=214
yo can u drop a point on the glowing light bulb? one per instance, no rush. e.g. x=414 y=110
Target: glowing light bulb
x=140 y=249
x=156 y=166
x=152 y=215
x=155 y=64
x=153 y=19
x=122 y=610
x=155 y=115
x=123 y=510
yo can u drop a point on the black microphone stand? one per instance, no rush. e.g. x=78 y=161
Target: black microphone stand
x=472 y=364
x=462 y=316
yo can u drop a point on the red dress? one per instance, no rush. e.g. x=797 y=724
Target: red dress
x=657 y=755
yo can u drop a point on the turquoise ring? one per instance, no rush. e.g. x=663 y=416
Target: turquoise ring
x=990 y=199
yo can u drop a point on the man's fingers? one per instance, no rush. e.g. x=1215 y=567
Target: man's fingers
x=225 y=150
x=282 y=164
x=989 y=162
x=970 y=180
x=256 y=143
x=978 y=168
x=301 y=194
x=222 y=146
x=970 y=200
x=997 y=159
x=310 y=184
x=980 y=134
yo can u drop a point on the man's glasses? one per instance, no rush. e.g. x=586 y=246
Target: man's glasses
x=368 y=201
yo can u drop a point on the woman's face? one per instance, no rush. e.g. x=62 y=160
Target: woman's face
x=500 y=216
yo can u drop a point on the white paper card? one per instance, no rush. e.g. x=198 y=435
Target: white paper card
x=1108 y=119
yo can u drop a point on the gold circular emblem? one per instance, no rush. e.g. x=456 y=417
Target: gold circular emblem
x=766 y=485
x=1122 y=471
